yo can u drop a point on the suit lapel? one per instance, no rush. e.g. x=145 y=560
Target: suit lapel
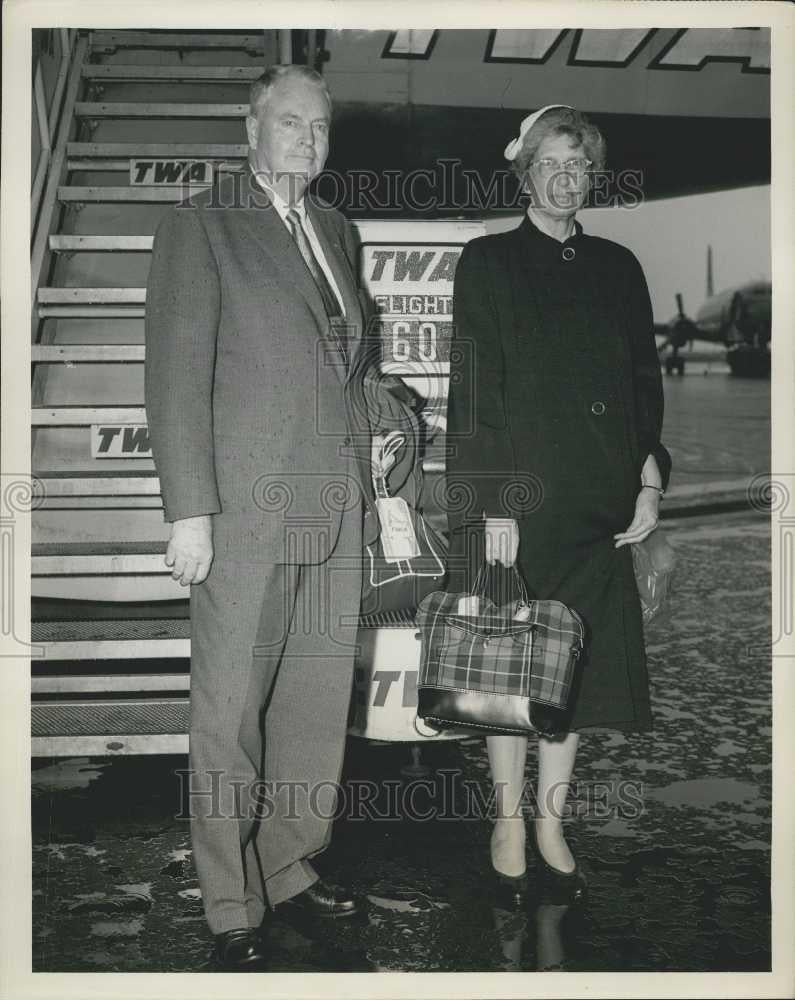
x=330 y=241
x=271 y=234
x=334 y=251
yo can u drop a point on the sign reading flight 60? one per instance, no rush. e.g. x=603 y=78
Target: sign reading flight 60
x=412 y=289
x=406 y=339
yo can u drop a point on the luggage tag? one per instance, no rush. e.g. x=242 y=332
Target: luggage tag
x=398 y=538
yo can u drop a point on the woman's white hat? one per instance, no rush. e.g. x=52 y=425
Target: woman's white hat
x=513 y=147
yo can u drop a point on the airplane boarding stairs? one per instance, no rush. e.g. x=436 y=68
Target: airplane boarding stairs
x=110 y=630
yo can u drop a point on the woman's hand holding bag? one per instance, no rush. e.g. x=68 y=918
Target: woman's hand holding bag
x=502 y=540
x=505 y=669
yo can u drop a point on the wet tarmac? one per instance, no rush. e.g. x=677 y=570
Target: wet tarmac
x=716 y=427
x=672 y=828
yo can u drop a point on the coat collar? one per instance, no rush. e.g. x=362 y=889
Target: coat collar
x=540 y=249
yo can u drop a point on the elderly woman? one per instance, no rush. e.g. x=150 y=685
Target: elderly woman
x=556 y=388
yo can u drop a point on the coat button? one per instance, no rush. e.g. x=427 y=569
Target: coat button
x=598 y=407
x=346 y=442
x=569 y=253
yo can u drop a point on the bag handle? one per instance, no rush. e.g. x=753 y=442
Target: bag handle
x=383 y=454
x=479 y=586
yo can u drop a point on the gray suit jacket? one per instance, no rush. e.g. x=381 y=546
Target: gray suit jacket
x=245 y=390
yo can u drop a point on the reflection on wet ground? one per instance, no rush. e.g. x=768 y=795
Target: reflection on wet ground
x=672 y=828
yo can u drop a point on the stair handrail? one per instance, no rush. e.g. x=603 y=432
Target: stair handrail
x=47 y=115
x=52 y=162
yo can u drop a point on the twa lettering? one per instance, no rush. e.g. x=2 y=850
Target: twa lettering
x=168 y=173
x=120 y=441
x=409 y=265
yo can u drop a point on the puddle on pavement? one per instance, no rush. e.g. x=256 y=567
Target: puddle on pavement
x=703 y=793
x=117 y=928
x=190 y=893
x=406 y=901
x=125 y=903
x=64 y=775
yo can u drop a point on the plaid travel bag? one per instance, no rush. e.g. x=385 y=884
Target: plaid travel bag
x=499 y=670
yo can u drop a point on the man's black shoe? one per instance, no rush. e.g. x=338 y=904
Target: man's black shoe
x=240 y=950
x=323 y=900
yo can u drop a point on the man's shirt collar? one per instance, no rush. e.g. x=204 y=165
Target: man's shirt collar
x=281 y=206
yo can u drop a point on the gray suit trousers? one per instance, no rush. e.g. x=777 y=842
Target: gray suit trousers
x=272 y=654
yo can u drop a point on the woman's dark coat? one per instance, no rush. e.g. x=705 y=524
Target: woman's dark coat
x=555 y=402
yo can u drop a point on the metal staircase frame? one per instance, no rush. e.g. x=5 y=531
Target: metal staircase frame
x=144 y=709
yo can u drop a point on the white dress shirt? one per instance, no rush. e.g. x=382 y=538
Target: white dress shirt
x=283 y=208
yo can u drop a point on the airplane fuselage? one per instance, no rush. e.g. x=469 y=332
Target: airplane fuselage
x=736 y=315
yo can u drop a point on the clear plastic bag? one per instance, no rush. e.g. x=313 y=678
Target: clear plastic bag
x=654 y=560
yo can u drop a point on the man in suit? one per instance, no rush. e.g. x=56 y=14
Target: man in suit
x=252 y=330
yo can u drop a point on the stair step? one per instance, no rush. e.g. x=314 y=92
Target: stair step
x=92 y=312
x=108 y=683
x=85 y=296
x=92 y=303
x=178 y=192
x=90 y=558
x=124 y=71
x=254 y=43
x=122 y=638
x=157 y=150
x=114 y=483
x=109 y=629
x=75 y=353
x=158 y=109
x=89 y=728
x=58 y=609
x=83 y=416
x=93 y=244
x=123 y=166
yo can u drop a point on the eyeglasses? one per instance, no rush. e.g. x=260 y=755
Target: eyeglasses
x=577 y=165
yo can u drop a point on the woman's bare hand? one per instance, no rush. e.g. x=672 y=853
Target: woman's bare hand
x=647 y=508
x=502 y=540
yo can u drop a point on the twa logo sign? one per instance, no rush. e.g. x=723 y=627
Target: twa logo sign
x=120 y=441
x=170 y=173
x=387 y=269
x=686 y=49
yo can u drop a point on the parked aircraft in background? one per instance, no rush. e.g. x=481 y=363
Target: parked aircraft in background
x=739 y=317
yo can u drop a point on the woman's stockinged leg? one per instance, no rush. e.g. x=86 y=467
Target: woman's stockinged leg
x=507 y=757
x=555 y=767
